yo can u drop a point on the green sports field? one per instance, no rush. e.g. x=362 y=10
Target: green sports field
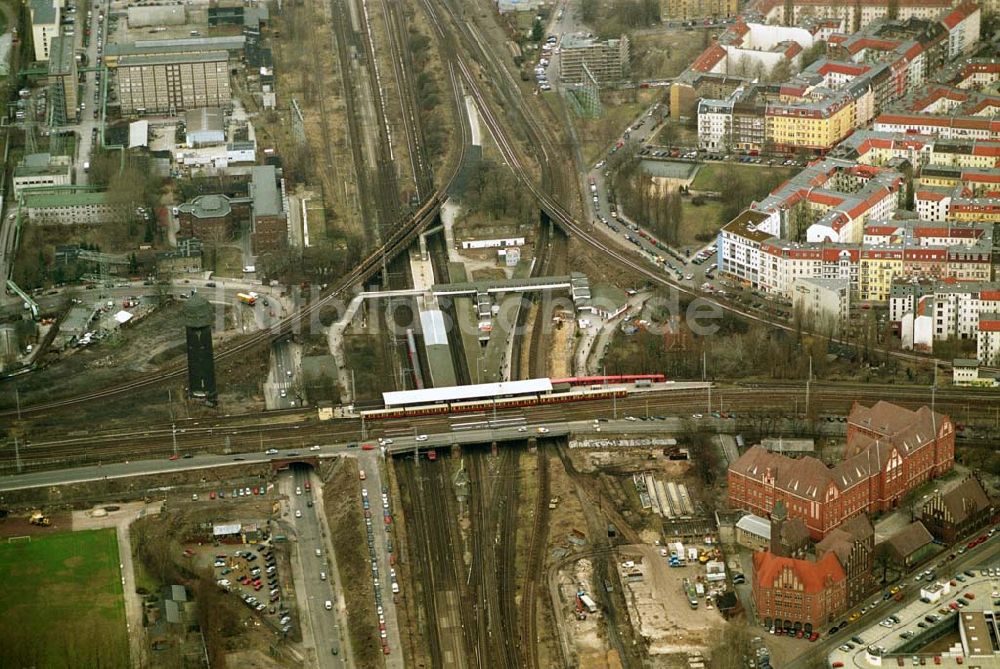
x=61 y=601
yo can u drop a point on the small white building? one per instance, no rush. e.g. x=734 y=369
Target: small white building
x=715 y=570
x=507 y=6
x=241 y=152
x=753 y=532
x=138 y=134
x=936 y=591
x=932 y=204
x=964 y=371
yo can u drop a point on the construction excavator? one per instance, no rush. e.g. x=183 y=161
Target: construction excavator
x=39 y=518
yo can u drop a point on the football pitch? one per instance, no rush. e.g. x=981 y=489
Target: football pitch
x=61 y=600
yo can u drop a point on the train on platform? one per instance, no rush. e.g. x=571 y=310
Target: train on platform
x=636 y=379
x=495 y=404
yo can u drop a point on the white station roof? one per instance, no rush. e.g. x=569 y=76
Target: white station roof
x=123 y=317
x=471 y=392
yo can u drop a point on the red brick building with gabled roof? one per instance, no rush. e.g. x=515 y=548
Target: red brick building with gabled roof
x=798 y=594
x=890 y=450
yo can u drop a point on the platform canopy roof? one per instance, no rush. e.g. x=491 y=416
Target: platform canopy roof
x=462 y=393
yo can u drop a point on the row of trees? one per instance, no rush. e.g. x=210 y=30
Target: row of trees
x=619 y=16
x=642 y=199
x=736 y=349
x=781 y=71
x=739 y=187
x=428 y=95
x=495 y=192
x=660 y=208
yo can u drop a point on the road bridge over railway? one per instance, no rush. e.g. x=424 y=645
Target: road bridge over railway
x=458 y=431
x=286 y=461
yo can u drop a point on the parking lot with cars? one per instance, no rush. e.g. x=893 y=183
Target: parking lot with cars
x=965 y=579
x=251 y=573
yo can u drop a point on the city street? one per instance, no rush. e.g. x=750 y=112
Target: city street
x=282 y=384
x=313 y=582
x=90 y=93
x=369 y=461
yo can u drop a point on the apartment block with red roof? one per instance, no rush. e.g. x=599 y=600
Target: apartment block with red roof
x=870 y=10
x=975 y=73
x=943 y=126
x=963 y=25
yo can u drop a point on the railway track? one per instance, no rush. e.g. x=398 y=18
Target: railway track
x=533 y=564
x=340 y=20
x=481 y=579
x=426 y=493
x=387 y=198
x=402 y=64
x=507 y=506
x=757 y=407
x=424 y=578
x=492 y=577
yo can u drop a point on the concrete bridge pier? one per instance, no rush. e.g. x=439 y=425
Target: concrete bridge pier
x=456 y=451
x=493 y=448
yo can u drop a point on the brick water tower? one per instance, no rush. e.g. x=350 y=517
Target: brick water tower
x=198 y=318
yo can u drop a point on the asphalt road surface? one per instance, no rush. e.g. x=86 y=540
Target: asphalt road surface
x=313 y=555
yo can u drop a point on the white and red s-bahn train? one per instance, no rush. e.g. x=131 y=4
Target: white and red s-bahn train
x=499 y=403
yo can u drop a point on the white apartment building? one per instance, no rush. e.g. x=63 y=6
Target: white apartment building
x=739 y=243
x=715 y=124
x=945 y=126
x=988 y=339
x=890 y=251
x=958 y=307
x=932 y=204
x=963 y=24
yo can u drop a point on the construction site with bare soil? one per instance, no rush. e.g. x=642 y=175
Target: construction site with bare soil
x=544 y=555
